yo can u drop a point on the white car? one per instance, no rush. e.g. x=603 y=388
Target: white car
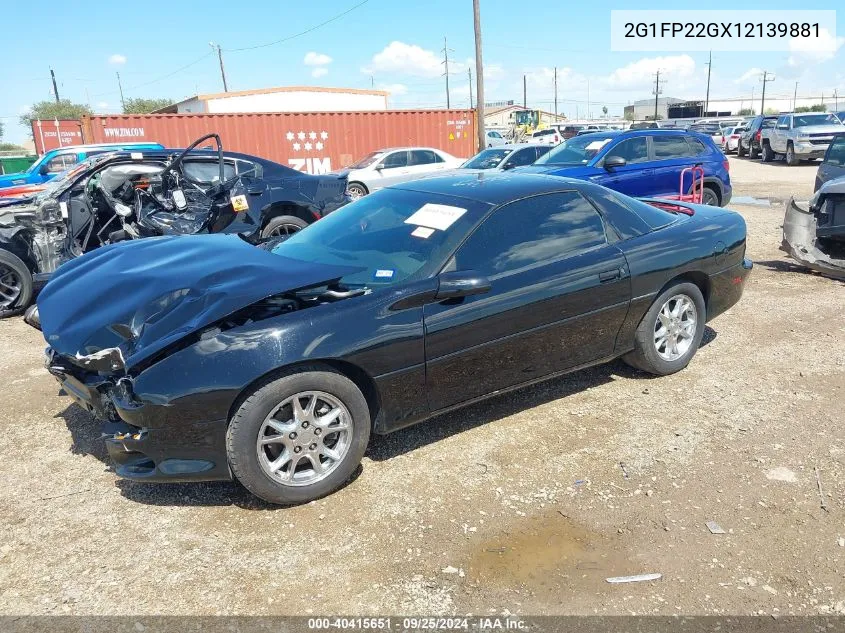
x=493 y=138
x=730 y=138
x=550 y=136
x=387 y=167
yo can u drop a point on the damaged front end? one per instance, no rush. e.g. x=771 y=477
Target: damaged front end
x=36 y=232
x=815 y=236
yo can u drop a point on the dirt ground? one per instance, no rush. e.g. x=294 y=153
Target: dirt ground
x=523 y=504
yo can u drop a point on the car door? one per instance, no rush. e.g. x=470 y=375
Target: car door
x=633 y=178
x=671 y=155
x=777 y=137
x=833 y=165
x=424 y=161
x=521 y=157
x=559 y=293
x=392 y=169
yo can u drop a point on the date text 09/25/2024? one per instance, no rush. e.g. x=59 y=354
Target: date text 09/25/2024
x=416 y=623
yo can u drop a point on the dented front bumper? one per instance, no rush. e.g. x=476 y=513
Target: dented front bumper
x=800 y=242
x=139 y=446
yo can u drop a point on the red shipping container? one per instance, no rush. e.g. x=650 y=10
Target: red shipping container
x=51 y=134
x=315 y=143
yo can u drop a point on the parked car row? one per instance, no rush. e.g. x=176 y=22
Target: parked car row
x=794 y=136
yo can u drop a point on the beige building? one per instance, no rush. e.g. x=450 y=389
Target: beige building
x=285 y=99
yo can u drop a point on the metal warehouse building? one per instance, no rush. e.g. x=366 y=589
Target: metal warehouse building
x=284 y=99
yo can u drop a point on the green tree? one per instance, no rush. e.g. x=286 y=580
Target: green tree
x=11 y=147
x=144 y=106
x=747 y=112
x=49 y=110
x=629 y=116
x=819 y=107
x=771 y=111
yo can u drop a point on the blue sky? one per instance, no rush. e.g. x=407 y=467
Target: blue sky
x=389 y=44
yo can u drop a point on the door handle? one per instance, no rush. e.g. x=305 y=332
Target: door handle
x=610 y=275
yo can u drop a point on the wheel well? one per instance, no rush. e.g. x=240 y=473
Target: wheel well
x=287 y=208
x=357 y=375
x=696 y=277
x=716 y=187
x=360 y=184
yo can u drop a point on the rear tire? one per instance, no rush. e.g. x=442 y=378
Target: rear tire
x=754 y=153
x=15 y=284
x=791 y=159
x=664 y=343
x=739 y=150
x=283 y=225
x=768 y=153
x=710 y=196
x=272 y=446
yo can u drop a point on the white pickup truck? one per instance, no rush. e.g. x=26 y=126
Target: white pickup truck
x=800 y=136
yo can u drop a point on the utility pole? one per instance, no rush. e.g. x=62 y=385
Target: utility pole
x=657 y=91
x=752 y=99
x=835 y=100
x=220 y=59
x=469 y=75
x=55 y=88
x=525 y=91
x=479 y=74
x=122 y=101
x=446 y=62
x=555 y=94
x=707 y=97
x=795 y=97
x=766 y=78
x=589 y=116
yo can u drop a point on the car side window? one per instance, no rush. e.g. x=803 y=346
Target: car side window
x=423 y=157
x=543 y=149
x=532 y=231
x=523 y=157
x=396 y=159
x=207 y=171
x=633 y=150
x=781 y=121
x=666 y=147
x=696 y=147
x=836 y=153
x=60 y=163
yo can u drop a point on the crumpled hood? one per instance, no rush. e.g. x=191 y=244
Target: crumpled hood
x=127 y=301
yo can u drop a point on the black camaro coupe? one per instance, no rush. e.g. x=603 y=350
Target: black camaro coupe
x=211 y=359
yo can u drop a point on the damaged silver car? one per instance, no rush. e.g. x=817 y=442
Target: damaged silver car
x=814 y=232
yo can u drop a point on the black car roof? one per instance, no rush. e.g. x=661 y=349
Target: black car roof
x=492 y=188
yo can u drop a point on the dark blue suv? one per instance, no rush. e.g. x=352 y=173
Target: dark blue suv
x=641 y=163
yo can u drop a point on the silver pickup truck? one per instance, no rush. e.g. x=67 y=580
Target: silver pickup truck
x=802 y=136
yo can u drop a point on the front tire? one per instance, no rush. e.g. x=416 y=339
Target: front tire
x=791 y=159
x=300 y=436
x=356 y=190
x=15 y=284
x=670 y=332
x=739 y=150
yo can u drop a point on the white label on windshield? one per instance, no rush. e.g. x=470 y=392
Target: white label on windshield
x=63 y=207
x=136 y=156
x=423 y=232
x=436 y=216
x=597 y=145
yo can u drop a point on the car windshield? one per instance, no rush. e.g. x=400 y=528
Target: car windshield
x=804 y=120
x=391 y=235
x=368 y=160
x=578 y=150
x=67 y=177
x=487 y=159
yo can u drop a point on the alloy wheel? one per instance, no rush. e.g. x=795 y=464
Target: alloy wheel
x=284 y=229
x=355 y=192
x=10 y=287
x=304 y=438
x=674 y=329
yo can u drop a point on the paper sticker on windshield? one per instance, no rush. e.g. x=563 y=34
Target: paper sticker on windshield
x=436 y=216
x=63 y=207
x=136 y=156
x=597 y=145
x=383 y=274
x=423 y=232
x=239 y=203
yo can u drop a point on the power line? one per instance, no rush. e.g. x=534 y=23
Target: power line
x=305 y=32
x=162 y=78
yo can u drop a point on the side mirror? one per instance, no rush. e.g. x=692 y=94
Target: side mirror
x=612 y=162
x=508 y=165
x=463 y=283
x=379 y=167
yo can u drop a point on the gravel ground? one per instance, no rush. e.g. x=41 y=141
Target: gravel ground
x=522 y=504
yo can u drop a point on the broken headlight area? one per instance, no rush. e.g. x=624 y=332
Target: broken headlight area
x=809 y=238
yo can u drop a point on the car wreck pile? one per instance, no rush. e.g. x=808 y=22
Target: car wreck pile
x=815 y=236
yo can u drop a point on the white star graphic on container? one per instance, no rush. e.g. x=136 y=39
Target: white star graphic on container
x=324 y=135
x=318 y=145
x=289 y=136
x=308 y=147
x=312 y=135
x=301 y=136
x=296 y=147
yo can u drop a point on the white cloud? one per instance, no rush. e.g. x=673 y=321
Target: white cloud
x=492 y=72
x=117 y=59
x=807 y=50
x=408 y=59
x=394 y=89
x=316 y=59
x=640 y=74
x=319 y=72
x=102 y=104
x=752 y=74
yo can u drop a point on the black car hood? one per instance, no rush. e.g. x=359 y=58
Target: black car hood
x=120 y=304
